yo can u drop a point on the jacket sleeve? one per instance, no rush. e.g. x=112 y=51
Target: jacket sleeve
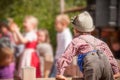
x=66 y=58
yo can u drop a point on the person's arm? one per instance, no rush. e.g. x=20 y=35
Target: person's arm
x=20 y=37
x=66 y=58
x=48 y=53
x=15 y=38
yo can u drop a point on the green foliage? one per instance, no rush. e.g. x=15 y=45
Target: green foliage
x=44 y=10
x=75 y=3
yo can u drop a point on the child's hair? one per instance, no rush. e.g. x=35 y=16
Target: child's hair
x=6 y=53
x=10 y=21
x=47 y=40
x=33 y=19
x=63 y=18
x=3 y=24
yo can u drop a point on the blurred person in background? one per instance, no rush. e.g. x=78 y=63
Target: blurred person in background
x=4 y=30
x=29 y=57
x=45 y=51
x=18 y=48
x=64 y=37
x=116 y=49
x=5 y=33
x=7 y=62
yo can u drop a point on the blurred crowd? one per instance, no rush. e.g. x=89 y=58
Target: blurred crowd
x=33 y=48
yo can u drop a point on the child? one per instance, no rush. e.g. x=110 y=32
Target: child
x=95 y=64
x=45 y=50
x=64 y=37
x=7 y=65
x=29 y=57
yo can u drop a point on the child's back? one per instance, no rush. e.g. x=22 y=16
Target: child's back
x=94 y=56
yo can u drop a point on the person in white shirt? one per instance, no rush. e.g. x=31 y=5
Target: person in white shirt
x=64 y=37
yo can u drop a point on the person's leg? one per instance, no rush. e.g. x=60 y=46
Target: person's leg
x=53 y=70
x=47 y=68
x=42 y=66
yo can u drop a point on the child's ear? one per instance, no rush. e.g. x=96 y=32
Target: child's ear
x=75 y=30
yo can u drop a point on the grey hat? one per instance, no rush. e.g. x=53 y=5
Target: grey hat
x=83 y=22
x=6 y=42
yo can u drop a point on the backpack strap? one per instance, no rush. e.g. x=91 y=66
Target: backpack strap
x=94 y=46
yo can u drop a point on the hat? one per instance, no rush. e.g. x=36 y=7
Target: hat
x=6 y=42
x=83 y=22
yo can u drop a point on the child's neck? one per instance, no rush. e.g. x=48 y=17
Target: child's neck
x=30 y=30
x=80 y=34
x=64 y=28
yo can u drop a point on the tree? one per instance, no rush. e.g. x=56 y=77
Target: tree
x=44 y=10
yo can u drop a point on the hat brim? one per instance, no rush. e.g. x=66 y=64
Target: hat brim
x=84 y=29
